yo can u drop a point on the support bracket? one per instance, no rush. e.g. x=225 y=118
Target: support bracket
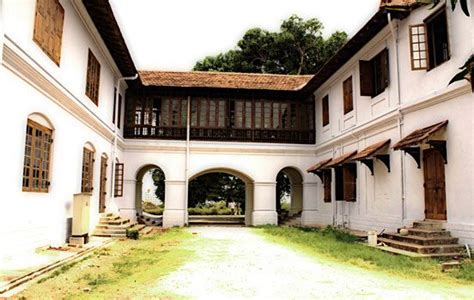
x=385 y=159
x=320 y=175
x=415 y=153
x=441 y=147
x=369 y=163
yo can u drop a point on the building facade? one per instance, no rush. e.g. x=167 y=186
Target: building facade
x=77 y=127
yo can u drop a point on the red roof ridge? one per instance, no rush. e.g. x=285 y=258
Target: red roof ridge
x=228 y=73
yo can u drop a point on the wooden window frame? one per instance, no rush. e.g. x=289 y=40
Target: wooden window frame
x=327 y=180
x=371 y=82
x=48 y=28
x=118 y=190
x=87 y=179
x=325 y=110
x=419 y=40
x=93 y=78
x=348 y=95
x=44 y=168
x=432 y=63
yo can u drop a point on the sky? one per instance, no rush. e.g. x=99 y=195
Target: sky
x=175 y=34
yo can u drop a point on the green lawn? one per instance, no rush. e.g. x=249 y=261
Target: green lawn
x=343 y=247
x=117 y=271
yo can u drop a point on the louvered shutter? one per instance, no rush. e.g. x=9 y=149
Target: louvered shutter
x=327 y=185
x=350 y=179
x=366 y=78
x=385 y=69
x=348 y=99
x=58 y=34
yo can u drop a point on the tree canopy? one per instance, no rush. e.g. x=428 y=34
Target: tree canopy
x=216 y=187
x=298 y=48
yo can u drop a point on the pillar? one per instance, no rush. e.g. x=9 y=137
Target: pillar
x=176 y=212
x=264 y=206
x=311 y=213
x=296 y=198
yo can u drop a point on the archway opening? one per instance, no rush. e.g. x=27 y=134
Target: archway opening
x=289 y=195
x=220 y=197
x=150 y=190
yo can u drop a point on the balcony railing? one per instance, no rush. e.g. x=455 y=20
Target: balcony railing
x=222 y=134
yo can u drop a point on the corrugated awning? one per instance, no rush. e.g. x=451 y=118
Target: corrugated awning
x=371 y=150
x=419 y=136
x=318 y=166
x=340 y=160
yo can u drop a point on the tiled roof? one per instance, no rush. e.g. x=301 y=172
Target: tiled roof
x=399 y=3
x=420 y=135
x=371 y=150
x=340 y=160
x=224 y=80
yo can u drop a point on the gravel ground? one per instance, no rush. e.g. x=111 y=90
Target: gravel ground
x=237 y=263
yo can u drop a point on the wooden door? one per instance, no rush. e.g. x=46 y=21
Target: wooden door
x=435 y=191
x=103 y=184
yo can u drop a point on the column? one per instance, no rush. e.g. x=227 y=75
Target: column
x=296 y=198
x=264 y=210
x=311 y=214
x=176 y=211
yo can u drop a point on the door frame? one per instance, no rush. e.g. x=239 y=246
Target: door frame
x=430 y=156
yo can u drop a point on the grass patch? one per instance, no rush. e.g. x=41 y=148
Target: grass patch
x=117 y=271
x=343 y=247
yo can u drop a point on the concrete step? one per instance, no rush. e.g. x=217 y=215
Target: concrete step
x=114 y=222
x=428 y=232
x=420 y=240
x=428 y=224
x=109 y=218
x=423 y=249
x=414 y=254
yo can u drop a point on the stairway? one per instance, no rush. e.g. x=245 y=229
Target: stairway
x=425 y=239
x=217 y=220
x=111 y=225
x=294 y=220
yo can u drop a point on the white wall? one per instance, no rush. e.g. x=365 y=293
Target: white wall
x=425 y=99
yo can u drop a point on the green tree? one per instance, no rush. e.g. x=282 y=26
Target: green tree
x=298 y=48
x=159 y=181
x=216 y=187
x=283 y=188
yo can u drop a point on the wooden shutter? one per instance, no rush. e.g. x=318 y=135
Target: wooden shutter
x=385 y=69
x=118 y=180
x=93 y=78
x=327 y=185
x=119 y=116
x=418 y=47
x=48 y=28
x=87 y=171
x=325 y=105
x=366 y=78
x=339 y=183
x=350 y=179
x=348 y=99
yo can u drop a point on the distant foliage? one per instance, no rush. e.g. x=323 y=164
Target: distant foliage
x=298 y=48
x=159 y=181
x=216 y=187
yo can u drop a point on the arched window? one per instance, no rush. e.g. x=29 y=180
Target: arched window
x=36 y=171
x=87 y=183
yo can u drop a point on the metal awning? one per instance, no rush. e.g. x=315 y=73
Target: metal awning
x=341 y=160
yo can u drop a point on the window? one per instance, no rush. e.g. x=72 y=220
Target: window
x=37 y=157
x=48 y=30
x=119 y=116
x=374 y=74
x=438 y=45
x=118 y=191
x=87 y=171
x=346 y=178
x=325 y=104
x=418 y=47
x=348 y=100
x=93 y=78
x=327 y=185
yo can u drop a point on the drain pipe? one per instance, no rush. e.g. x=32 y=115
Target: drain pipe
x=186 y=168
x=114 y=149
x=400 y=114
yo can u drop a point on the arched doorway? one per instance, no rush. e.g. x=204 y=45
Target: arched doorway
x=221 y=192
x=150 y=190
x=289 y=193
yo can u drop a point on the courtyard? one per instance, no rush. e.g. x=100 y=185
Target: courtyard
x=250 y=263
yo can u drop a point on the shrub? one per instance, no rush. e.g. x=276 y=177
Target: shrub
x=211 y=208
x=152 y=208
x=132 y=234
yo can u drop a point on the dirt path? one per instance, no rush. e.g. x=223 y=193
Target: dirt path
x=236 y=263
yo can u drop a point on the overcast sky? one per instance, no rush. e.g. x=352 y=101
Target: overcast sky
x=174 y=34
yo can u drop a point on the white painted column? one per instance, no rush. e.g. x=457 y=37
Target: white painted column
x=2 y=35
x=264 y=210
x=249 y=189
x=311 y=195
x=175 y=213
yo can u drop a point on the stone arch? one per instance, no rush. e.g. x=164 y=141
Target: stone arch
x=249 y=187
x=139 y=184
x=296 y=190
x=89 y=146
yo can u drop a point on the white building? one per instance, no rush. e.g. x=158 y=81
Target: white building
x=62 y=77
